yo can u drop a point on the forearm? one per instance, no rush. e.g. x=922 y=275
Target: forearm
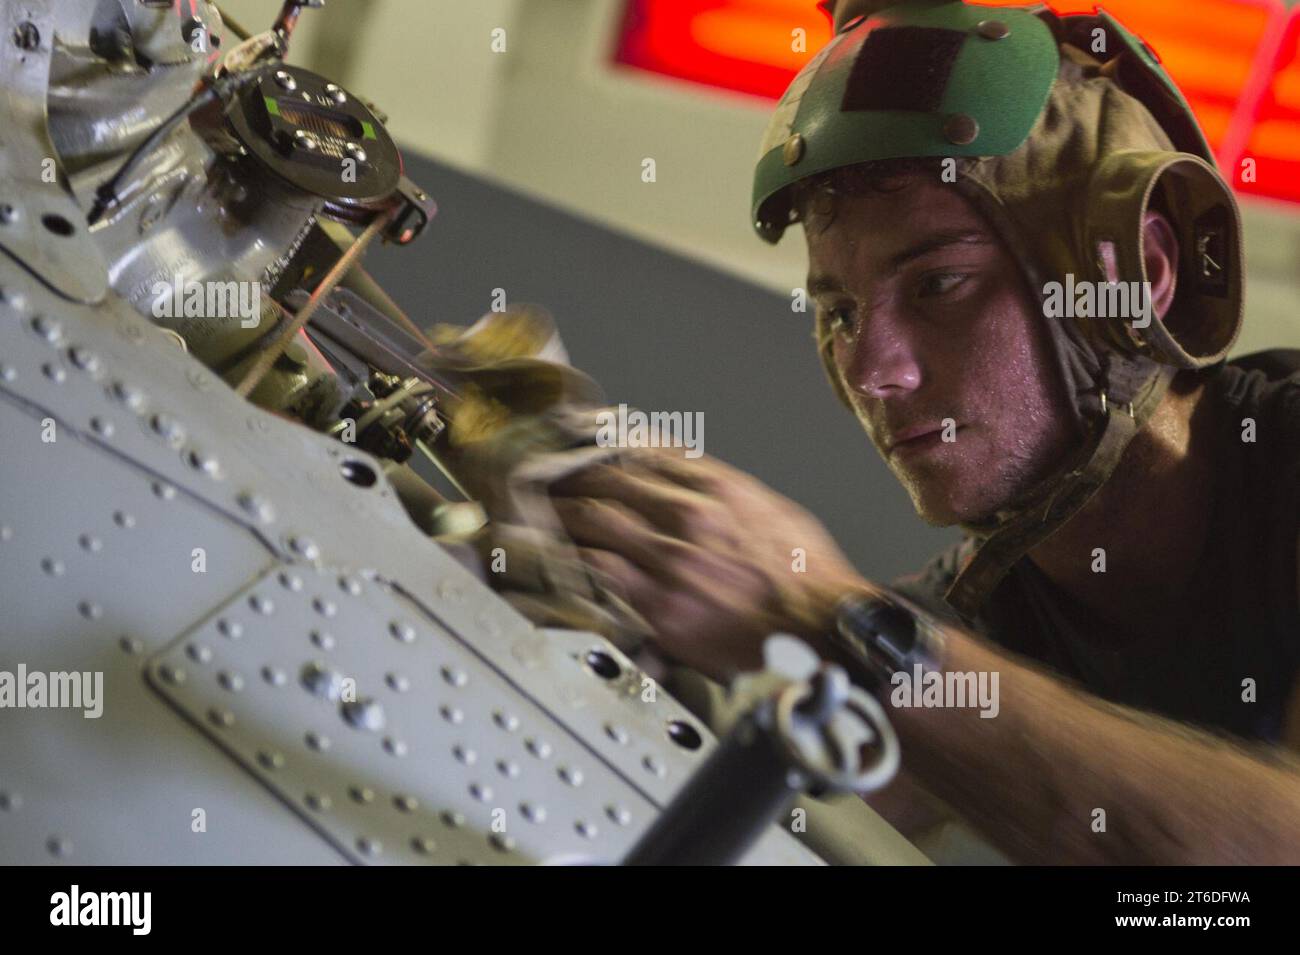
x=1033 y=777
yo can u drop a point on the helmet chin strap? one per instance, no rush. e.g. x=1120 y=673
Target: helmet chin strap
x=1003 y=540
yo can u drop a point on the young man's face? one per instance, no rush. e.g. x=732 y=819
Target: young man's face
x=931 y=320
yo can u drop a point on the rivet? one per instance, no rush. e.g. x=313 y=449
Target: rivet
x=451 y=714
x=54 y=372
x=230 y=681
x=262 y=604
x=59 y=846
x=256 y=506
x=570 y=775
x=538 y=747
x=323 y=682
x=585 y=829
x=201 y=460
x=533 y=812
x=270 y=759
x=102 y=426
x=394 y=746
x=508 y=768
x=318 y=802
x=406 y=803
x=164 y=491
x=653 y=764
x=618 y=814
x=480 y=792
x=993 y=29
x=326 y=608
x=220 y=717
x=397 y=682
x=793 y=150
x=274 y=676
x=167 y=428
x=286 y=80
x=90 y=610
x=350 y=586
x=423 y=845
x=361 y=794
x=452 y=818
x=454 y=676
x=83 y=358
x=464 y=754
x=322 y=639
x=10 y=801
x=172 y=674
x=502 y=842
x=355 y=152
x=52 y=566
x=130 y=644
x=90 y=543
x=124 y=519
x=961 y=129
x=370 y=847
x=617 y=733
x=364 y=714
x=290 y=581
x=50 y=329
x=231 y=629
x=304 y=547
x=402 y=631
x=8 y=373
x=317 y=741
x=198 y=653
x=507 y=721
x=128 y=395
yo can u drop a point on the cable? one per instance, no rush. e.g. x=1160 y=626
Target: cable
x=108 y=194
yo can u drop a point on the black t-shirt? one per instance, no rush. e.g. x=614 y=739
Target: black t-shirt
x=1241 y=618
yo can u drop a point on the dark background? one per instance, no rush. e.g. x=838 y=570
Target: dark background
x=664 y=333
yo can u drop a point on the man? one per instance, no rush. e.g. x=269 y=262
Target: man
x=1131 y=500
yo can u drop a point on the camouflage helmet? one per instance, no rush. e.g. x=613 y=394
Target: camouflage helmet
x=1063 y=130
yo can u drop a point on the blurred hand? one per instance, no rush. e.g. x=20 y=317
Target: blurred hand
x=713 y=558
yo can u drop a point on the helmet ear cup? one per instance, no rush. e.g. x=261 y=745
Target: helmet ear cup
x=1205 y=318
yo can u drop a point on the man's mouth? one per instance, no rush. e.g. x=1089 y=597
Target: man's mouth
x=918 y=440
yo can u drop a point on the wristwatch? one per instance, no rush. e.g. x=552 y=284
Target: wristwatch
x=884 y=634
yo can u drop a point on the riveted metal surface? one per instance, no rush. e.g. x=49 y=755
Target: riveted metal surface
x=368 y=715
x=154 y=458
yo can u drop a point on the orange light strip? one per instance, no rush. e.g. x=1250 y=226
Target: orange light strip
x=1236 y=61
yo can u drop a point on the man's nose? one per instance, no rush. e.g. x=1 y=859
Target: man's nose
x=881 y=361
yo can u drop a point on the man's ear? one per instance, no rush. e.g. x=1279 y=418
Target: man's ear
x=1160 y=256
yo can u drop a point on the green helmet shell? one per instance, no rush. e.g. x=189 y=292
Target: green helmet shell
x=982 y=75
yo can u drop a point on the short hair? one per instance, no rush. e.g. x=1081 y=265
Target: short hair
x=812 y=199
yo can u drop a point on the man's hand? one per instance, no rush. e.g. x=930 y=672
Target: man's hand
x=712 y=557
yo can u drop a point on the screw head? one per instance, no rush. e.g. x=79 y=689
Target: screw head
x=793 y=150
x=993 y=29
x=960 y=129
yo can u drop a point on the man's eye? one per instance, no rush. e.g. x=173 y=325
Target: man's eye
x=840 y=320
x=940 y=283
